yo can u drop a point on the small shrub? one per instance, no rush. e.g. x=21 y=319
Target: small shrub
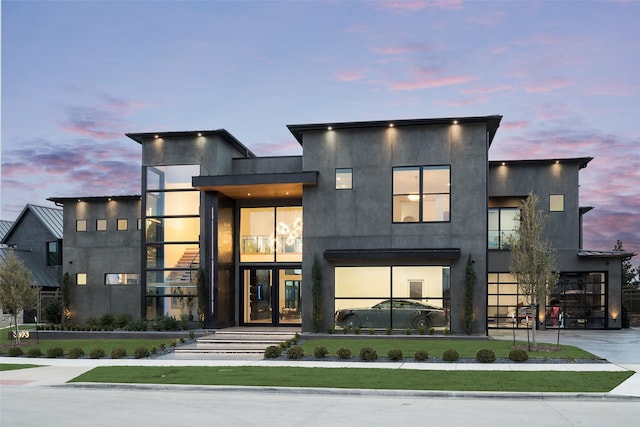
x=407 y=331
x=182 y=340
x=388 y=330
x=330 y=330
x=272 y=352
x=432 y=331
x=518 y=355
x=192 y=335
x=421 y=355
x=421 y=330
x=106 y=321
x=141 y=353
x=343 y=353
x=345 y=329
x=320 y=352
x=15 y=351
x=173 y=343
x=92 y=322
x=395 y=354
x=372 y=331
x=75 y=353
x=485 y=356
x=368 y=353
x=55 y=352
x=446 y=331
x=296 y=338
x=450 y=356
x=34 y=352
x=122 y=320
x=163 y=346
x=96 y=353
x=357 y=330
x=137 y=325
x=184 y=321
x=295 y=352
x=153 y=349
x=118 y=353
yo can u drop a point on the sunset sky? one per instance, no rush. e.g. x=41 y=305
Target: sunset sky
x=78 y=75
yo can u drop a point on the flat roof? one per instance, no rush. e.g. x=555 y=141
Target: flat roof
x=62 y=200
x=582 y=161
x=222 y=133
x=493 y=122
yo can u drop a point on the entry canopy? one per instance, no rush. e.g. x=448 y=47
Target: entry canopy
x=258 y=186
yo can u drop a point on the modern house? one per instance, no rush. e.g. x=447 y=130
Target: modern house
x=387 y=214
x=36 y=239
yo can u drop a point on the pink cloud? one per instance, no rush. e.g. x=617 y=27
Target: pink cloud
x=427 y=79
x=547 y=85
x=282 y=149
x=350 y=76
x=488 y=90
x=415 y=5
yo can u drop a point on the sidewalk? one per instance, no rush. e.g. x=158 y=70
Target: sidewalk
x=57 y=372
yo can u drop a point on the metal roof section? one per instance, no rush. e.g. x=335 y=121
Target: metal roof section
x=582 y=161
x=5 y=226
x=492 y=122
x=42 y=276
x=143 y=137
x=605 y=254
x=51 y=218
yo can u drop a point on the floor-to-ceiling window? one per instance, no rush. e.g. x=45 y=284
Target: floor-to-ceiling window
x=399 y=297
x=171 y=241
x=270 y=264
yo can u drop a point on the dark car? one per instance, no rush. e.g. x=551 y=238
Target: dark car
x=407 y=313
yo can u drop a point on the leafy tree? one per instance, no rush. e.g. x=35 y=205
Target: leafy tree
x=16 y=288
x=532 y=257
x=630 y=275
x=469 y=284
x=202 y=296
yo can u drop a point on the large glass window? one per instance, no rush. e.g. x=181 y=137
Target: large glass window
x=271 y=234
x=398 y=297
x=172 y=233
x=122 y=279
x=502 y=223
x=505 y=306
x=579 y=301
x=421 y=194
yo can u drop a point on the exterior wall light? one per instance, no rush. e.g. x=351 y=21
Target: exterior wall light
x=329 y=128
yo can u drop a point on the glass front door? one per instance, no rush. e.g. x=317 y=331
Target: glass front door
x=271 y=296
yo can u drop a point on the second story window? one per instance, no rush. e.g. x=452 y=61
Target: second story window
x=421 y=193
x=53 y=253
x=501 y=227
x=344 y=179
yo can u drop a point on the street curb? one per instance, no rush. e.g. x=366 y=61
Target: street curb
x=356 y=392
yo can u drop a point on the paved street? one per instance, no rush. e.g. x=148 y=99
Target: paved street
x=115 y=407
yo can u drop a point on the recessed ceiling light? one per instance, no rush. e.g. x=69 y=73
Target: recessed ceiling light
x=455 y=122
x=329 y=128
x=199 y=133
x=390 y=125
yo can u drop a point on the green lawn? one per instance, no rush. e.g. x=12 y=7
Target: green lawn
x=10 y=367
x=435 y=347
x=363 y=378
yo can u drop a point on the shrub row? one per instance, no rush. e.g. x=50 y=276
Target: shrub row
x=76 y=352
x=370 y=354
x=109 y=322
x=388 y=331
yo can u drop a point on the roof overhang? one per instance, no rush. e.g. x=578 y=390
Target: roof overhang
x=492 y=122
x=581 y=161
x=605 y=254
x=258 y=186
x=391 y=255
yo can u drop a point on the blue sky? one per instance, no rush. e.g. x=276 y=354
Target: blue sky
x=78 y=75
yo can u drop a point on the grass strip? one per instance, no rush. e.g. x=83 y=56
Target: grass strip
x=11 y=367
x=362 y=378
x=435 y=347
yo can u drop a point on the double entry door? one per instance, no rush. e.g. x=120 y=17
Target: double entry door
x=271 y=295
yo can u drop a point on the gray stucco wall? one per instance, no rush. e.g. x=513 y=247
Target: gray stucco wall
x=361 y=218
x=97 y=253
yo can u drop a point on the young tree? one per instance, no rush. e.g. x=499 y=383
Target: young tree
x=630 y=275
x=16 y=288
x=532 y=257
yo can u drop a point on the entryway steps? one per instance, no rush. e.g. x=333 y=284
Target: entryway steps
x=237 y=341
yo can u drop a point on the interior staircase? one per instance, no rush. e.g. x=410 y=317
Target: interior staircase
x=189 y=260
x=237 y=342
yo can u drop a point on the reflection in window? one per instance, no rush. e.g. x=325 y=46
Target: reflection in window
x=399 y=297
x=502 y=224
x=421 y=194
x=344 y=179
x=122 y=279
x=270 y=232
